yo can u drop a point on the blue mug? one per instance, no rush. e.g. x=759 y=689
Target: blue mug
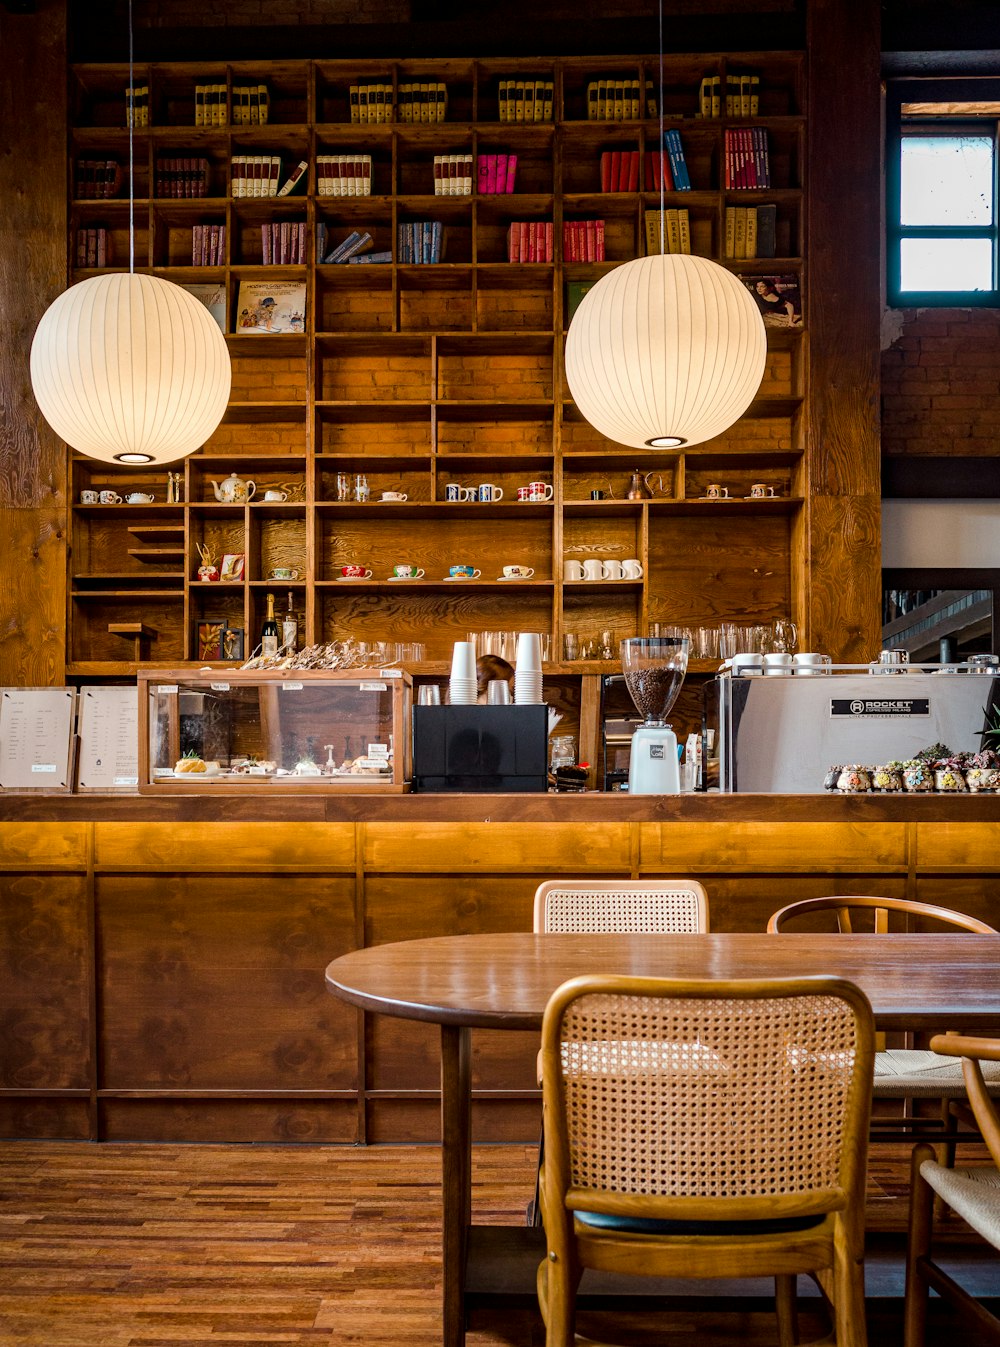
x=489 y=492
x=464 y=572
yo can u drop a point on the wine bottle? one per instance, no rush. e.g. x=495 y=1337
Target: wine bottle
x=269 y=631
x=289 y=629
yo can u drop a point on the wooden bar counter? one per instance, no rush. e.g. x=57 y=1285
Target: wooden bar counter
x=163 y=960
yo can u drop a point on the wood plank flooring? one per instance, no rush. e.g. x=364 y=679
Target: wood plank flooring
x=192 y=1246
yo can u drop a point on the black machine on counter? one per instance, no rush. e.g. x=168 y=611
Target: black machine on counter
x=480 y=748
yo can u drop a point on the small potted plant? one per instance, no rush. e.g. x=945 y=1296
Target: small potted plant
x=888 y=777
x=949 y=776
x=917 y=776
x=983 y=770
x=854 y=779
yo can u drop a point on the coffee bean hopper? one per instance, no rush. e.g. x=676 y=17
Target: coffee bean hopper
x=654 y=669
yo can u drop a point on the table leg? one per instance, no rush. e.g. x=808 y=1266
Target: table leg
x=456 y=1174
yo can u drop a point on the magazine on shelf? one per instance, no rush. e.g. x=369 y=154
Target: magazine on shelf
x=213 y=297
x=271 y=307
x=778 y=298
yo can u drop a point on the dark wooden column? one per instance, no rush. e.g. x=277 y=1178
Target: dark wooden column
x=33 y=513
x=843 y=173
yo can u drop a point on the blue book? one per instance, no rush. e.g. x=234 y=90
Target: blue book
x=437 y=233
x=372 y=257
x=678 y=164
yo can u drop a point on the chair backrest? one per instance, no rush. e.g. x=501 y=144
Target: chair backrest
x=849 y=907
x=973 y=1051
x=621 y=907
x=706 y=1100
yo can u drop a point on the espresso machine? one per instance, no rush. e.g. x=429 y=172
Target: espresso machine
x=654 y=669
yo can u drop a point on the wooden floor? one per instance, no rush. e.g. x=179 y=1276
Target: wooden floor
x=186 y=1246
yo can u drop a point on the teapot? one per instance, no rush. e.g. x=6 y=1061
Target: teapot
x=233 y=491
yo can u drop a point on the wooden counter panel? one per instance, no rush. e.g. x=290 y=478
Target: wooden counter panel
x=746 y=902
x=224 y=847
x=218 y=982
x=415 y=906
x=281 y=1121
x=974 y=894
x=407 y=1121
x=45 y=1119
x=456 y=847
x=45 y=982
x=43 y=846
x=676 y=848
x=958 y=846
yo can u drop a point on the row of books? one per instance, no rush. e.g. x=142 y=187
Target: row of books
x=412 y=102
x=742 y=95
x=746 y=159
x=210 y=107
x=525 y=100
x=358 y=241
x=93 y=248
x=495 y=174
x=208 y=245
x=283 y=243
x=530 y=241
x=618 y=99
x=344 y=174
x=251 y=104
x=255 y=175
x=137 y=105
x=420 y=241
x=750 y=231
x=181 y=177
x=620 y=168
x=453 y=175
x=583 y=241
x=671 y=234
x=97 y=179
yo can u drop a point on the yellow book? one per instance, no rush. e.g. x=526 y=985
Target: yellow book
x=730 y=244
x=673 y=232
x=602 y=100
x=745 y=95
x=427 y=93
x=502 y=97
x=529 y=100
x=538 y=107
x=221 y=103
x=618 y=101
x=441 y=101
x=741 y=233
x=549 y=98
x=705 y=97
x=754 y=94
x=635 y=103
x=653 y=233
x=511 y=100
x=265 y=102
x=684 y=229
x=732 y=95
x=751 y=231
x=651 y=108
x=592 y=93
x=353 y=98
x=717 y=96
x=519 y=100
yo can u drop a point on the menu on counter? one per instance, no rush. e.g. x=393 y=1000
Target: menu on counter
x=36 y=738
x=109 y=739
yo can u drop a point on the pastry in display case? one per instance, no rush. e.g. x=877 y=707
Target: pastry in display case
x=277 y=730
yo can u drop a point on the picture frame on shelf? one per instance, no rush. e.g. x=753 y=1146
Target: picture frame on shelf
x=233 y=643
x=232 y=566
x=210 y=634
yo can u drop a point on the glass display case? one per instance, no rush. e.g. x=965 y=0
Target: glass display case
x=223 y=731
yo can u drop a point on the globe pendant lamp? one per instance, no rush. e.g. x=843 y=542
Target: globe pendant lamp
x=130 y=369
x=127 y=368
x=665 y=351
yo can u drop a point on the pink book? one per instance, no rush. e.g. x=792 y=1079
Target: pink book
x=482 y=174
x=514 y=242
x=498 y=168
x=511 y=170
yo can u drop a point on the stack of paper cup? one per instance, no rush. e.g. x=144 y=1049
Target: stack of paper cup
x=462 y=688
x=528 y=670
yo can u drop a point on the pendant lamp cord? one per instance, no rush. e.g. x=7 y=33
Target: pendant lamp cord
x=660 y=149
x=131 y=148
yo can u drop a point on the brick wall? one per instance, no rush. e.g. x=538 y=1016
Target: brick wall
x=941 y=383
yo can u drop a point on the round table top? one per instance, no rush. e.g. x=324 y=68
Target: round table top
x=503 y=980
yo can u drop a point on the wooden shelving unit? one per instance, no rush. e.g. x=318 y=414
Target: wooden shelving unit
x=421 y=375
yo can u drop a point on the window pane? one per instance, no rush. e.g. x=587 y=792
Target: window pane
x=946 y=264
x=946 y=180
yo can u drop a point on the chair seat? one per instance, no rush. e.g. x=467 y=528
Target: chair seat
x=973 y=1193
x=906 y=1073
x=638 y=1225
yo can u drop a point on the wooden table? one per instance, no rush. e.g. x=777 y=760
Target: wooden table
x=504 y=981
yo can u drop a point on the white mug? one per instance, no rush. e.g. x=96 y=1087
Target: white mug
x=489 y=492
x=611 y=570
x=89 y=497
x=110 y=498
x=572 y=570
x=518 y=572
x=777 y=663
x=759 y=491
x=747 y=663
x=540 y=491
x=632 y=569
x=716 y=492
x=593 y=569
x=275 y=495
x=394 y=495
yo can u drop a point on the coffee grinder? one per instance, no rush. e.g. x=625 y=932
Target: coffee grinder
x=654 y=668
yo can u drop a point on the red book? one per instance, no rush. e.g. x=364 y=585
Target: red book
x=633 y=171
x=511 y=171
x=514 y=242
x=548 y=240
x=606 y=171
x=483 y=173
x=616 y=171
x=590 y=237
x=598 y=240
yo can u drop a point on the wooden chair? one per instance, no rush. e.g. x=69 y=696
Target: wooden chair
x=903 y=1074
x=974 y=1193
x=615 y=907
x=706 y=1130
